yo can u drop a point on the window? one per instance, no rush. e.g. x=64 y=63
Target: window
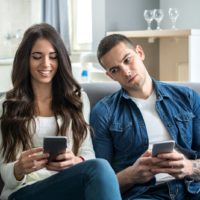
x=80 y=17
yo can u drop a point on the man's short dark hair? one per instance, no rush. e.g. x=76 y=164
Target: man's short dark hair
x=110 y=41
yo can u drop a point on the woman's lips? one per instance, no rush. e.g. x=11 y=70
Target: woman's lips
x=45 y=73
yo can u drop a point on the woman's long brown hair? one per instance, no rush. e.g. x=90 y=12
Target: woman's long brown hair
x=18 y=108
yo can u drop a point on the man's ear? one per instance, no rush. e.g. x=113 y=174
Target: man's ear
x=140 y=52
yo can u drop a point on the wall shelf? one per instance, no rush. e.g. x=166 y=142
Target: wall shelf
x=158 y=33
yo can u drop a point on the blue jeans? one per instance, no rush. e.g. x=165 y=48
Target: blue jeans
x=91 y=180
x=162 y=192
x=159 y=192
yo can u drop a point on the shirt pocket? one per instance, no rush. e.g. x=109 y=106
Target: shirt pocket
x=184 y=124
x=122 y=134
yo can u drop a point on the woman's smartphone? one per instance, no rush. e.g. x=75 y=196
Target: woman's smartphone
x=54 y=145
x=163 y=147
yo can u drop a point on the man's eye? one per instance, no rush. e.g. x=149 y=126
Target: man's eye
x=128 y=60
x=114 y=70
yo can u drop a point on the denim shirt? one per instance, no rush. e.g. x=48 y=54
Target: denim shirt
x=120 y=134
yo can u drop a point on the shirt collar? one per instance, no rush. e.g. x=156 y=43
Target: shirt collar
x=160 y=91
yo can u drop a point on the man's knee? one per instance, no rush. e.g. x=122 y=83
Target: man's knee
x=100 y=167
x=99 y=164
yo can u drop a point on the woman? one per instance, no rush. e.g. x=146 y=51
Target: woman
x=47 y=101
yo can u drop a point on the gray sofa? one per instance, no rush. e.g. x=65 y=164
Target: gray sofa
x=98 y=90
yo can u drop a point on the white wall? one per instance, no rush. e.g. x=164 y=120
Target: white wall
x=5 y=74
x=189 y=13
x=15 y=18
x=119 y=15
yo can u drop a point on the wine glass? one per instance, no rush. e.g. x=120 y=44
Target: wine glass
x=148 y=16
x=158 y=16
x=173 y=15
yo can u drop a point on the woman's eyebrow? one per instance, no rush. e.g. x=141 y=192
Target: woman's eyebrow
x=53 y=52
x=36 y=52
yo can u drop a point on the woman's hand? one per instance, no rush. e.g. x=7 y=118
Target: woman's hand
x=30 y=161
x=63 y=161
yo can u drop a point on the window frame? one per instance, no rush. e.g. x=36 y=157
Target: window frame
x=73 y=20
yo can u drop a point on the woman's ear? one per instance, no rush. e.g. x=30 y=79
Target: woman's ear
x=140 y=52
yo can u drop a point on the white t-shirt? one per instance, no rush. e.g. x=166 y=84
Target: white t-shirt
x=155 y=128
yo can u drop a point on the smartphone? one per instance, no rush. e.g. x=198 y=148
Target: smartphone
x=54 y=145
x=163 y=147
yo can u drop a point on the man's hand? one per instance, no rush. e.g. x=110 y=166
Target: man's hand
x=141 y=169
x=174 y=163
x=139 y=172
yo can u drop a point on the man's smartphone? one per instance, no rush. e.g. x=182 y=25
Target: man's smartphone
x=54 y=145
x=163 y=147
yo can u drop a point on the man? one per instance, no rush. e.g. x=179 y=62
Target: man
x=143 y=112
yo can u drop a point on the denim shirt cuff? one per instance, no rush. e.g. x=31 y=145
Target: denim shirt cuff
x=193 y=187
